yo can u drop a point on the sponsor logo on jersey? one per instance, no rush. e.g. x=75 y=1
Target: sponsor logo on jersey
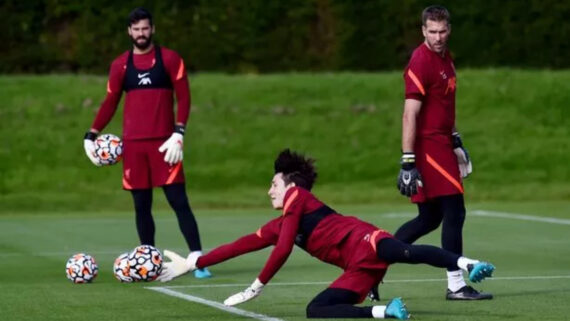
x=144 y=80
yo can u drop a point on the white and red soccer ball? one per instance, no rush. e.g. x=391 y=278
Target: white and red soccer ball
x=108 y=149
x=145 y=263
x=81 y=268
x=122 y=268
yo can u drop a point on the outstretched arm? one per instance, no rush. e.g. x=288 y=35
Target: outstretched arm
x=243 y=245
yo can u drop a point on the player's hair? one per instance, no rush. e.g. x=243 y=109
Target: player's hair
x=435 y=13
x=296 y=168
x=139 y=14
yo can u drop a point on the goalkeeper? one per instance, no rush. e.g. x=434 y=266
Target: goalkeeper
x=362 y=250
x=152 y=136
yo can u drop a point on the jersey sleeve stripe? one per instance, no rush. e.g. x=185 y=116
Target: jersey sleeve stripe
x=443 y=172
x=174 y=173
x=416 y=81
x=373 y=239
x=126 y=184
x=109 y=87
x=180 y=70
x=289 y=201
x=258 y=233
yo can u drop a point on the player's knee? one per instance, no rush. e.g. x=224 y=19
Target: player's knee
x=312 y=310
x=429 y=225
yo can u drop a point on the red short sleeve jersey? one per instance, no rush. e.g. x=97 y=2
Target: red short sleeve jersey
x=430 y=78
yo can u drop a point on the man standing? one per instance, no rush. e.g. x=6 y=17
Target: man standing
x=152 y=138
x=433 y=158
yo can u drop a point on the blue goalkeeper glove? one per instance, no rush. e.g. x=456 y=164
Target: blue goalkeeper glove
x=463 y=160
x=409 y=178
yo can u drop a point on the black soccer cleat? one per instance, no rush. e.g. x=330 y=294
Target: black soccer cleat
x=467 y=293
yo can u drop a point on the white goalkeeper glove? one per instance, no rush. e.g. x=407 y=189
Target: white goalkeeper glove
x=251 y=292
x=89 y=146
x=173 y=146
x=465 y=166
x=178 y=265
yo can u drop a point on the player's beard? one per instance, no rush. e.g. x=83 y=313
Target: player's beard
x=142 y=45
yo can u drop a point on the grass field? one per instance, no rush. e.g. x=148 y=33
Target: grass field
x=531 y=253
x=513 y=122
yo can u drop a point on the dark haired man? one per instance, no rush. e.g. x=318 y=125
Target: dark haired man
x=433 y=158
x=152 y=138
x=362 y=250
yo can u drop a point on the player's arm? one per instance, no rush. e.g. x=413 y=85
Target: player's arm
x=416 y=81
x=179 y=266
x=106 y=111
x=173 y=146
x=409 y=177
x=246 y=244
x=282 y=250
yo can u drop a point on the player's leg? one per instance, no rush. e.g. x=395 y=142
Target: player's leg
x=453 y=208
x=340 y=303
x=178 y=200
x=428 y=219
x=142 y=199
x=172 y=179
x=137 y=180
x=395 y=251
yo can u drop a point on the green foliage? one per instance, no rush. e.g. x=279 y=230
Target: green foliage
x=281 y=35
x=513 y=123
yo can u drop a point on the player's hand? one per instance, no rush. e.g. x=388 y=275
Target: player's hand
x=173 y=148
x=178 y=265
x=409 y=178
x=89 y=146
x=465 y=166
x=251 y=292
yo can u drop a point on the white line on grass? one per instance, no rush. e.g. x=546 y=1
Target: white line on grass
x=213 y=304
x=523 y=217
x=500 y=278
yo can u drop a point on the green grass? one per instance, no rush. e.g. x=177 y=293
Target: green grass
x=514 y=123
x=35 y=246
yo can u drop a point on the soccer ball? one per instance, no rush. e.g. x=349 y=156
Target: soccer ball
x=145 y=263
x=122 y=269
x=108 y=149
x=81 y=268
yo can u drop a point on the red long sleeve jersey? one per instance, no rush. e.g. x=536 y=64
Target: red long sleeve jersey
x=148 y=113
x=305 y=221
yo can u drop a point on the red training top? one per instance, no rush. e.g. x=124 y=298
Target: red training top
x=323 y=242
x=148 y=112
x=430 y=78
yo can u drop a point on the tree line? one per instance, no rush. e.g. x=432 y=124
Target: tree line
x=261 y=36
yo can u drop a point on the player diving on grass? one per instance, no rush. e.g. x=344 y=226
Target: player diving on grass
x=362 y=250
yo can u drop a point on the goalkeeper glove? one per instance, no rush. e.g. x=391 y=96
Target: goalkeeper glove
x=463 y=160
x=251 y=292
x=409 y=178
x=89 y=146
x=173 y=146
x=178 y=265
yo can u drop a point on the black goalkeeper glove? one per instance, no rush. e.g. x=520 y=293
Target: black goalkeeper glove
x=409 y=178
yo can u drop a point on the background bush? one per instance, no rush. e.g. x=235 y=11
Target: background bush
x=281 y=35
